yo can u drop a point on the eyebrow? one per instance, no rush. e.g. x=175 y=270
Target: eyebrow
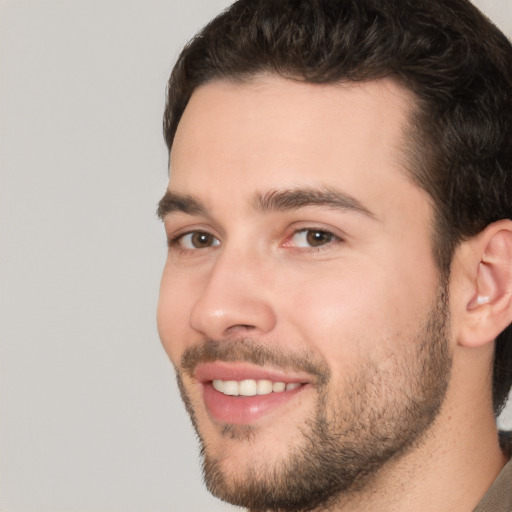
x=270 y=201
x=293 y=199
x=173 y=203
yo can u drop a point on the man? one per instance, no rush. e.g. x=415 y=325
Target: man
x=337 y=297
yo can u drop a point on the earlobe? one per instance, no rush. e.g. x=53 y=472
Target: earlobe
x=489 y=307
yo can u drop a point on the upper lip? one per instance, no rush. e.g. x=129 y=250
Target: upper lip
x=206 y=372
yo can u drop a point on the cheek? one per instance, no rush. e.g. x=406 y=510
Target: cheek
x=174 y=304
x=337 y=317
x=360 y=313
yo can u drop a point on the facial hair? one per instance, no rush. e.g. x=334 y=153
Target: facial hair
x=378 y=414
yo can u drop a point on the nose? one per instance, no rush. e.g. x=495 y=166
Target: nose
x=235 y=300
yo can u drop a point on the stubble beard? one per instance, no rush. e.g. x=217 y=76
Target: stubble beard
x=381 y=415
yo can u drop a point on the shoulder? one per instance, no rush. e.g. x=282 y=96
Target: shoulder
x=499 y=497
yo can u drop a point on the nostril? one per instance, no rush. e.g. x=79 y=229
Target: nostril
x=240 y=327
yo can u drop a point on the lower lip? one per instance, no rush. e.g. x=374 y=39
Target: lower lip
x=244 y=410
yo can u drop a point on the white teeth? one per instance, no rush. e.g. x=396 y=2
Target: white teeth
x=247 y=388
x=231 y=388
x=218 y=385
x=264 y=387
x=278 y=387
x=251 y=387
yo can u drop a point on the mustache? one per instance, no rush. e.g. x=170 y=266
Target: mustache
x=248 y=350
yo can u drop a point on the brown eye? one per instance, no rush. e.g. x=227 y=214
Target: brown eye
x=198 y=240
x=317 y=238
x=312 y=238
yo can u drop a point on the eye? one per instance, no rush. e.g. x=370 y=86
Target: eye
x=196 y=240
x=312 y=238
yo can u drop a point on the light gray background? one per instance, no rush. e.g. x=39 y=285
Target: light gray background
x=91 y=420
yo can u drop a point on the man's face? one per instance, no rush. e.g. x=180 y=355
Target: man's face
x=300 y=277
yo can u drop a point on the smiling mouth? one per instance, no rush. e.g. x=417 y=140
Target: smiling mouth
x=252 y=387
x=237 y=393
x=246 y=401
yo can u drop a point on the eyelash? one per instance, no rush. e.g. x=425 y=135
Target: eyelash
x=176 y=241
x=305 y=232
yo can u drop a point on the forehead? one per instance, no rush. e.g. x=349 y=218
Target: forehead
x=270 y=132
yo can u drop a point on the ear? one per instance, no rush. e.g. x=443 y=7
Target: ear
x=482 y=285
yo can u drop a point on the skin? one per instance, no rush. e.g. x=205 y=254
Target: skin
x=357 y=300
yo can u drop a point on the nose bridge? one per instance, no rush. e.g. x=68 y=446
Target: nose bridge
x=234 y=298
